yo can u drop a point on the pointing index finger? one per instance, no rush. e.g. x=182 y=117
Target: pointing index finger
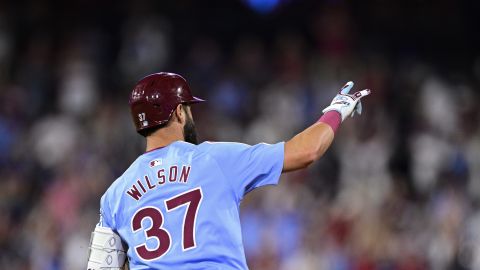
x=362 y=93
x=346 y=88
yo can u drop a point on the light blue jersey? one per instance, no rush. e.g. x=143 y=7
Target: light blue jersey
x=177 y=207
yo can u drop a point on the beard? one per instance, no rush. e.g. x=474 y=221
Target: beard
x=189 y=131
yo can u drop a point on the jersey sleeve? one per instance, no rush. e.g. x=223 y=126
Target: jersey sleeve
x=105 y=213
x=247 y=167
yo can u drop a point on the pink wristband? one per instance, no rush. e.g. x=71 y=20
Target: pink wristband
x=331 y=118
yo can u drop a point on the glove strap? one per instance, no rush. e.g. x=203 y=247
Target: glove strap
x=331 y=118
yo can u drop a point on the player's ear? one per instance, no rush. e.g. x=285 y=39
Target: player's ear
x=180 y=114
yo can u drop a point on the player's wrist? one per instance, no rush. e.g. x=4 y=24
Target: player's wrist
x=333 y=118
x=343 y=109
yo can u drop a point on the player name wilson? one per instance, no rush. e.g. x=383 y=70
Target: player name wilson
x=172 y=174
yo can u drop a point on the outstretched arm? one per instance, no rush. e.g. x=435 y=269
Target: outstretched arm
x=309 y=145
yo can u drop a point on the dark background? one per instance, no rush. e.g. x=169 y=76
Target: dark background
x=399 y=189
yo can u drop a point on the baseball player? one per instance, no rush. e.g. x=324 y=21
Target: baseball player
x=177 y=205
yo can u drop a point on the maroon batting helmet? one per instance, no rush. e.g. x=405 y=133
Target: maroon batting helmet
x=156 y=96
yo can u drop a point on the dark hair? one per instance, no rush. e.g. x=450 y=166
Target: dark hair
x=149 y=131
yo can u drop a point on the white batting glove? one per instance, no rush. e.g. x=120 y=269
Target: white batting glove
x=347 y=104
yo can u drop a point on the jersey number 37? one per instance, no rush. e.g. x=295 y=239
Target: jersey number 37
x=192 y=198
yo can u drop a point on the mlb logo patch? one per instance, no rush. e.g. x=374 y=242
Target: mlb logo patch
x=155 y=162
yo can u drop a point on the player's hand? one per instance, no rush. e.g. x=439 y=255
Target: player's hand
x=347 y=104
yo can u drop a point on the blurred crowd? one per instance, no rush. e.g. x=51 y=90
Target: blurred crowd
x=399 y=189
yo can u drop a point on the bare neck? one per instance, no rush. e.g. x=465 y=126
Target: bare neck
x=164 y=137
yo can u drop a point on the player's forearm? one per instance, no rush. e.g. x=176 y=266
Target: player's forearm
x=310 y=144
